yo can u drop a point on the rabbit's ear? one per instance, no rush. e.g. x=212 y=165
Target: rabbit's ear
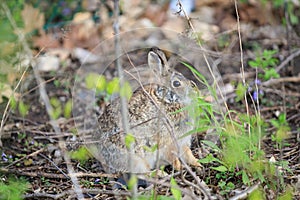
x=157 y=62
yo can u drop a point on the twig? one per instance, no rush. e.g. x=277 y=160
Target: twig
x=33 y=174
x=206 y=59
x=53 y=175
x=71 y=192
x=46 y=101
x=246 y=192
x=242 y=57
x=270 y=82
x=166 y=183
x=287 y=60
x=27 y=156
x=124 y=108
x=203 y=188
x=197 y=179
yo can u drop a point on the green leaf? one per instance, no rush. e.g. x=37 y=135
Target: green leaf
x=126 y=91
x=221 y=168
x=113 y=86
x=245 y=178
x=209 y=159
x=101 y=83
x=129 y=139
x=150 y=149
x=56 y=105
x=287 y=195
x=275 y=123
x=82 y=154
x=282 y=119
x=91 y=80
x=13 y=102
x=23 y=108
x=211 y=145
x=194 y=71
x=294 y=19
x=14 y=189
x=240 y=91
x=132 y=182
x=175 y=189
x=256 y=195
x=253 y=64
x=271 y=73
x=68 y=109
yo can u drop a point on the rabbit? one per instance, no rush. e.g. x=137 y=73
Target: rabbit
x=158 y=120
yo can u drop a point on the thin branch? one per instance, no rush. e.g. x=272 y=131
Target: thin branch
x=63 y=195
x=245 y=193
x=242 y=55
x=270 y=82
x=205 y=58
x=124 y=107
x=46 y=101
x=287 y=60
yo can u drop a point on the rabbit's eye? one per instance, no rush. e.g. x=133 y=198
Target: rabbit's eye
x=176 y=84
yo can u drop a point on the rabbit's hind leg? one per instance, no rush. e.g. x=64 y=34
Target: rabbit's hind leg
x=189 y=158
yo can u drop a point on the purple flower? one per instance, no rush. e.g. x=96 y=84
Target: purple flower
x=257 y=82
x=4 y=157
x=66 y=11
x=97 y=181
x=255 y=95
x=249 y=89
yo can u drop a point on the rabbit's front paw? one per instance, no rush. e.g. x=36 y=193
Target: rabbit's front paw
x=176 y=164
x=190 y=158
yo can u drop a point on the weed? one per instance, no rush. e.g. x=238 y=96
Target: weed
x=13 y=189
x=282 y=127
x=266 y=62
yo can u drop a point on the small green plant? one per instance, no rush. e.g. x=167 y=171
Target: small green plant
x=290 y=9
x=82 y=154
x=283 y=128
x=225 y=187
x=175 y=189
x=68 y=109
x=87 y=183
x=46 y=181
x=57 y=108
x=267 y=62
x=13 y=189
x=23 y=108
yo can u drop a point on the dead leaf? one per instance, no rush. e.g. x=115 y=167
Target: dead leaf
x=33 y=19
x=156 y=13
x=81 y=17
x=5 y=91
x=46 y=41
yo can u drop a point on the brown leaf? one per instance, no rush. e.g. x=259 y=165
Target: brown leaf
x=33 y=19
x=46 y=41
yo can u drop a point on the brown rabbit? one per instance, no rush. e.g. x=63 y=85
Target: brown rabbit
x=159 y=117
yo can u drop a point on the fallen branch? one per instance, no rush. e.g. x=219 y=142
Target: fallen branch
x=71 y=192
x=270 y=82
x=54 y=175
x=287 y=60
x=245 y=193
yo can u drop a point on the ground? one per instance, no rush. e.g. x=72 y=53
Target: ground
x=31 y=147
